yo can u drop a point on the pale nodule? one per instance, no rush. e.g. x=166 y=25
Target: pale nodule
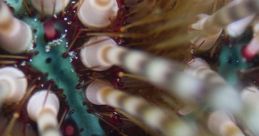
x=13 y=85
x=49 y=7
x=12 y=28
x=98 y=13
x=43 y=108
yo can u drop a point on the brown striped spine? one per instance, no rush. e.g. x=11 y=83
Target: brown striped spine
x=151 y=115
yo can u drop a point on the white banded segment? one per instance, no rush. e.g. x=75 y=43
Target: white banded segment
x=222 y=96
x=43 y=108
x=163 y=73
x=15 y=35
x=227 y=99
x=101 y=93
x=49 y=7
x=13 y=85
x=202 y=70
x=234 y=11
x=170 y=75
x=98 y=13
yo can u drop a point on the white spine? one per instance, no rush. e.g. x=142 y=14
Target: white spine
x=223 y=97
x=202 y=70
x=101 y=93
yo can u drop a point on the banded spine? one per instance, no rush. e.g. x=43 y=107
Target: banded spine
x=219 y=122
x=100 y=53
x=202 y=70
x=43 y=108
x=221 y=95
x=234 y=17
x=234 y=11
x=229 y=100
x=101 y=93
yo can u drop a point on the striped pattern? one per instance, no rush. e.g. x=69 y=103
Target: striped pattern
x=176 y=78
x=138 y=107
x=220 y=94
x=172 y=76
x=232 y=12
x=219 y=122
x=211 y=77
x=163 y=73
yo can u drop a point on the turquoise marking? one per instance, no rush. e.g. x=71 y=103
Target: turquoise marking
x=17 y=5
x=231 y=60
x=61 y=71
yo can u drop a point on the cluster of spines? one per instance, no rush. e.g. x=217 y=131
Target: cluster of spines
x=170 y=75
